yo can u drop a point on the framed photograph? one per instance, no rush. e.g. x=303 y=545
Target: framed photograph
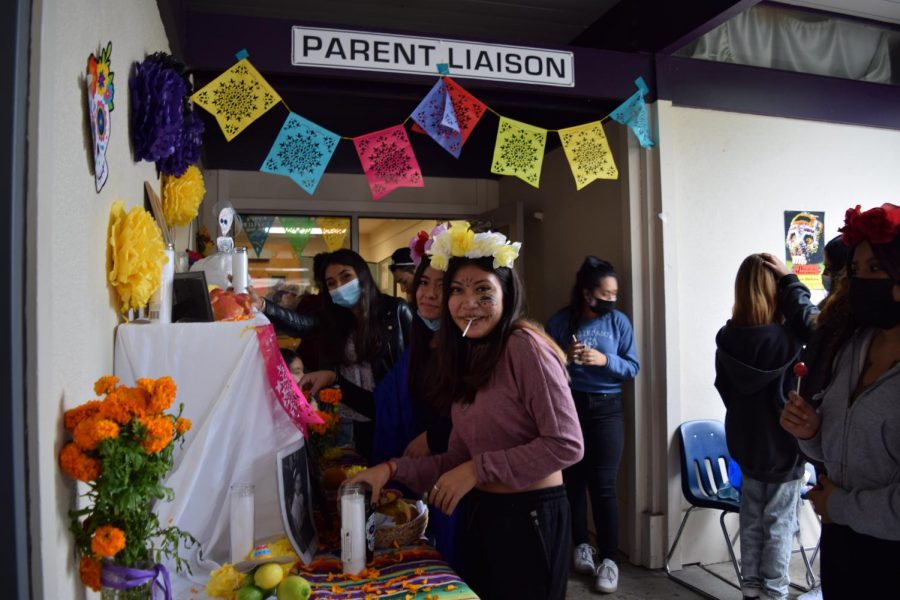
x=190 y=298
x=295 y=493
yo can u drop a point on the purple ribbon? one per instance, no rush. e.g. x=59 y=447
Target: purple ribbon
x=124 y=578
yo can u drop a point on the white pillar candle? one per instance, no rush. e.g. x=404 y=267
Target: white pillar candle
x=241 y=521
x=353 y=532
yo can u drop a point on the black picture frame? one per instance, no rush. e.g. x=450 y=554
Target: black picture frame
x=296 y=496
x=190 y=298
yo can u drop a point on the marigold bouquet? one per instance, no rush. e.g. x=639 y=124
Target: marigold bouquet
x=122 y=448
x=323 y=436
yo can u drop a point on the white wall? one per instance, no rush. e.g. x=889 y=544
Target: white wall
x=71 y=313
x=726 y=181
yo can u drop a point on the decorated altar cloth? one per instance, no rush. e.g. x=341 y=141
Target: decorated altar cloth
x=410 y=572
x=238 y=425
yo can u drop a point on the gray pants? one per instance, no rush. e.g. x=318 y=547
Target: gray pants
x=768 y=523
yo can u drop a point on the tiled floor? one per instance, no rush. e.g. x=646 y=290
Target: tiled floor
x=637 y=582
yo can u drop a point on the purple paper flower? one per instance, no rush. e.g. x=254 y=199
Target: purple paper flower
x=187 y=150
x=164 y=129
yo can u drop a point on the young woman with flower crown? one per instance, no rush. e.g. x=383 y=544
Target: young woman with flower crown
x=514 y=426
x=856 y=430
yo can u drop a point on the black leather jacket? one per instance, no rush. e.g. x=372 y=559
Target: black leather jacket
x=395 y=317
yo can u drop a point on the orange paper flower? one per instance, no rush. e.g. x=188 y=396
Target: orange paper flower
x=107 y=541
x=89 y=570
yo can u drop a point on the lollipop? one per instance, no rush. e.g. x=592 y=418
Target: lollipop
x=800 y=372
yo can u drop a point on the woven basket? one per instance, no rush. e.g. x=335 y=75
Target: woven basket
x=404 y=534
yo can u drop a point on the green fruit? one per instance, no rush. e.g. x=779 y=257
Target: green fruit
x=251 y=592
x=268 y=576
x=294 y=588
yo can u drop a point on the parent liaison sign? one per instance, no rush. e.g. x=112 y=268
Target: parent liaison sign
x=343 y=49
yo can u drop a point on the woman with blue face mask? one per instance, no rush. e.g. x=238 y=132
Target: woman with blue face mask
x=601 y=358
x=362 y=333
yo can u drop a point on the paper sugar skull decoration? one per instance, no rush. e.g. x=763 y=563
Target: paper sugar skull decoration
x=100 y=103
x=225 y=243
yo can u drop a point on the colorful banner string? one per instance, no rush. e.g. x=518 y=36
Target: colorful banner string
x=448 y=114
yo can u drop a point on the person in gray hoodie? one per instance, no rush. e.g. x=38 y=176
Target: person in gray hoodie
x=754 y=355
x=856 y=430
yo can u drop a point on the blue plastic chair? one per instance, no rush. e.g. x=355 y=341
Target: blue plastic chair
x=702 y=448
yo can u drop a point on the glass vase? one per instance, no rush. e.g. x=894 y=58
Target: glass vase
x=138 y=592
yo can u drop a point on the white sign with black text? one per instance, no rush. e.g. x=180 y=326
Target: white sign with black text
x=342 y=49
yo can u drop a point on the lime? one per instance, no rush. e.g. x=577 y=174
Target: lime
x=251 y=592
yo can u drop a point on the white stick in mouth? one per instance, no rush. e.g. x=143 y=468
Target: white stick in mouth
x=466 y=330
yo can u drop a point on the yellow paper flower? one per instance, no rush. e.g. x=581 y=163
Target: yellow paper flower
x=460 y=240
x=182 y=196
x=136 y=254
x=506 y=254
x=440 y=262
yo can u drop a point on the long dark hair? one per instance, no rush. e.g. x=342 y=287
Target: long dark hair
x=589 y=275
x=339 y=323
x=421 y=365
x=464 y=365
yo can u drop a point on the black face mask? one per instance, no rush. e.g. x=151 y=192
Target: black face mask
x=872 y=302
x=602 y=307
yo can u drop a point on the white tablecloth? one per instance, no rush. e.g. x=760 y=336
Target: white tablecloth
x=238 y=426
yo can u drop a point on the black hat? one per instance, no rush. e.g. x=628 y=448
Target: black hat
x=401 y=258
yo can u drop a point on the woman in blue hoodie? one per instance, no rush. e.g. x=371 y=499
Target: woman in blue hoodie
x=601 y=357
x=754 y=356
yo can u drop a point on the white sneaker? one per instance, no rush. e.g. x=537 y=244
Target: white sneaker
x=813 y=594
x=583 y=558
x=607 y=579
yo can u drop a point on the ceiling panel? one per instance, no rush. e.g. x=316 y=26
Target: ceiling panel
x=539 y=21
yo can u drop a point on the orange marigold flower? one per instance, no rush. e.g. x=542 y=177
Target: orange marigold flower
x=182 y=425
x=159 y=433
x=107 y=541
x=105 y=384
x=89 y=569
x=85 y=435
x=146 y=384
x=137 y=400
x=330 y=395
x=78 y=466
x=162 y=396
x=116 y=408
x=73 y=417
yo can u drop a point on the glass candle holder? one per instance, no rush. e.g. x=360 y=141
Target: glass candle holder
x=241 y=521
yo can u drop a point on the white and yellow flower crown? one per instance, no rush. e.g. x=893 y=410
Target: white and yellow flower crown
x=460 y=241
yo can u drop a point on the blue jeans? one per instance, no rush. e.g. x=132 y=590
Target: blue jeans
x=602 y=420
x=768 y=523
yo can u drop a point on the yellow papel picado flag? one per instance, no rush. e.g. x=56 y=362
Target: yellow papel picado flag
x=519 y=150
x=588 y=153
x=237 y=97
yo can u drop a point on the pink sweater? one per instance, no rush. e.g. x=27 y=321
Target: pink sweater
x=521 y=428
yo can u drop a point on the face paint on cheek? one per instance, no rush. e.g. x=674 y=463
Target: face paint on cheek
x=487 y=301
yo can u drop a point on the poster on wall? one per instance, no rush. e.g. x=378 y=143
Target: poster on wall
x=101 y=92
x=804 y=245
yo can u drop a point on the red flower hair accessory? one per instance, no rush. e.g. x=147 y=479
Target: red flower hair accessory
x=417 y=246
x=878 y=225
